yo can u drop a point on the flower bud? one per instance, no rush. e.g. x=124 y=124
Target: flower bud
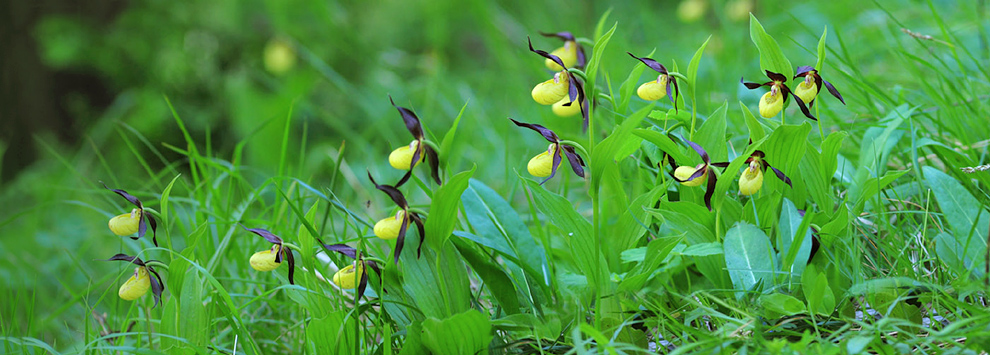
x=136 y=286
x=542 y=164
x=265 y=260
x=126 y=224
x=751 y=180
x=738 y=10
x=349 y=277
x=389 y=227
x=401 y=158
x=566 y=111
x=806 y=90
x=771 y=103
x=654 y=89
x=551 y=91
x=567 y=54
x=684 y=172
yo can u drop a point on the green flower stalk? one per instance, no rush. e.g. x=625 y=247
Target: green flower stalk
x=133 y=222
x=693 y=176
x=139 y=283
x=271 y=259
x=775 y=100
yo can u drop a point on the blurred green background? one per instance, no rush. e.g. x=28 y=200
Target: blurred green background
x=84 y=87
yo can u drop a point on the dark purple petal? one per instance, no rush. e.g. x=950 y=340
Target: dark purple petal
x=577 y=164
x=543 y=53
x=124 y=257
x=422 y=233
x=720 y=165
x=271 y=238
x=776 y=76
x=130 y=198
x=556 y=163
x=582 y=59
x=651 y=63
x=697 y=173
x=673 y=98
x=815 y=245
x=803 y=70
x=292 y=263
x=579 y=87
x=405 y=177
x=804 y=108
x=142 y=228
x=401 y=240
x=392 y=192
x=670 y=161
x=279 y=250
x=363 y=284
x=416 y=154
x=710 y=190
x=434 y=160
x=545 y=132
x=780 y=174
x=412 y=122
x=564 y=36
x=834 y=92
x=751 y=85
x=701 y=151
x=343 y=249
x=154 y=227
x=157 y=286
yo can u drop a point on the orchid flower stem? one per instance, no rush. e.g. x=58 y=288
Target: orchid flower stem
x=377 y=260
x=157 y=264
x=579 y=73
x=679 y=76
x=819 y=121
x=432 y=145
x=292 y=246
x=577 y=146
x=419 y=211
x=585 y=41
x=605 y=96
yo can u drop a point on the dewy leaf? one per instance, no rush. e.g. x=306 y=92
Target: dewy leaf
x=443 y=209
x=821 y=49
x=748 y=257
x=596 y=57
x=771 y=57
x=448 y=139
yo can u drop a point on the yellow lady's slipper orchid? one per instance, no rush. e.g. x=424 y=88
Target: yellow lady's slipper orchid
x=265 y=260
x=752 y=179
x=570 y=54
x=136 y=286
x=808 y=89
x=544 y=164
x=126 y=224
x=553 y=90
x=268 y=260
x=397 y=226
x=388 y=228
x=664 y=86
x=771 y=103
x=420 y=149
x=349 y=277
x=134 y=222
x=654 y=89
x=140 y=281
x=684 y=172
x=561 y=110
x=401 y=158
x=774 y=101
